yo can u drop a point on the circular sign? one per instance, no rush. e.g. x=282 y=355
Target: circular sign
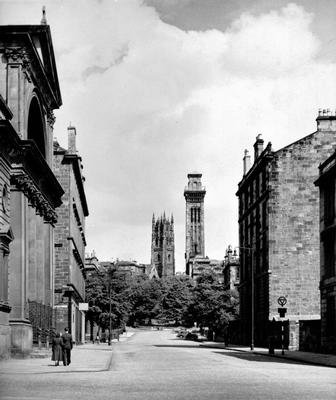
x=282 y=301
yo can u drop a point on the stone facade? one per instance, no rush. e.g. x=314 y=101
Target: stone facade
x=30 y=91
x=279 y=233
x=327 y=185
x=70 y=240
x=194 y=195
x=231 y=269
x=163 y=246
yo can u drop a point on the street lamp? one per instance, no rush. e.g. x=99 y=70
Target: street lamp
x=251 y=250
x=110 y=310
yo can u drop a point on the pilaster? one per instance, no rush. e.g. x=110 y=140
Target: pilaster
x=21 y=329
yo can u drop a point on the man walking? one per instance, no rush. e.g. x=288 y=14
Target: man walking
x=67 y=346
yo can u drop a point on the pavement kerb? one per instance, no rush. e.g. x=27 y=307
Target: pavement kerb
x=286 y=356
x=33 y=365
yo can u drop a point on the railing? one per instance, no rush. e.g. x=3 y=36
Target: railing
x=41 y=318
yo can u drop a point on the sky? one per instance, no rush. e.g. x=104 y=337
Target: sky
x=160 y=88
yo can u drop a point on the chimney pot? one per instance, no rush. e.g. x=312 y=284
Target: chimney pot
x=326 y=120
x=258 y=147
x=72 y=139
x=246 y=161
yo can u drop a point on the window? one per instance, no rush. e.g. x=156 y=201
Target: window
x=330 y=317
x=329 y=203
x=329 y=255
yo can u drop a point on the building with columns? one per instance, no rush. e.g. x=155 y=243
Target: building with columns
x=70 y=240
x=30 y=193
x=194 y=194
x=279 y=236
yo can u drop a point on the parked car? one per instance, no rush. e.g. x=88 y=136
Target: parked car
x=191 y=336
x=182 y=332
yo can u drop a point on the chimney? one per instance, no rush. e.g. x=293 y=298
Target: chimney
x=258 y=147
x=326 y=120
x=44 y=19
x=246 y=162
x=72 y=140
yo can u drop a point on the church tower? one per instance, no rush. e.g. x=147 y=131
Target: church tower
x=163 y=247
x=194 y=195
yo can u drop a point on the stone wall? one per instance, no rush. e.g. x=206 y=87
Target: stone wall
x=294 y=257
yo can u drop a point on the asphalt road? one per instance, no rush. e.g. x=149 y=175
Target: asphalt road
x=156 y=365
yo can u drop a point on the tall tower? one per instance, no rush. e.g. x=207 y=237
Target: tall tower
x=163 y=246
x=194 y=194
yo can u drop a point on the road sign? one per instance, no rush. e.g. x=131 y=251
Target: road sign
x=282 y=301
x=282 y=311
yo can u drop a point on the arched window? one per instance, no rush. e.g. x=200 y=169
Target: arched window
x=35 y=126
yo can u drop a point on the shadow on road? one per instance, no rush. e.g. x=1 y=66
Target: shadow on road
x=259 y=358
x=183 y=346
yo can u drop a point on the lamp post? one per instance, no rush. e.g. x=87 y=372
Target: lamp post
x=110 y=321
x=251 y=250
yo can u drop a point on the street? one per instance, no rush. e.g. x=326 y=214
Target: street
x=157 y=365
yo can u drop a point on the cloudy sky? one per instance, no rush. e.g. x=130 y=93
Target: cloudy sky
x=160 y=88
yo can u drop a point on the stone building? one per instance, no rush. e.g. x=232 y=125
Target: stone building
x=231 y=269
x=70 y=240
x=199 y=265
x=194 y=195
x=130 y=268
x=279 y=235
x=163 y=246
x=91 y=263
x=30 y=193
x=327 y=184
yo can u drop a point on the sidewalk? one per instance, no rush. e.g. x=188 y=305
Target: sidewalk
x=327 y=360
x=88 y=357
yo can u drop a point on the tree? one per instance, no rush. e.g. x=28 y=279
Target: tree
x=178 y=299
x=211 y=305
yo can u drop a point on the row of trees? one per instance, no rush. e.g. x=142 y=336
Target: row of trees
x=177 y=300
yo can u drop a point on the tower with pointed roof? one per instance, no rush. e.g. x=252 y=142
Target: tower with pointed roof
x=163 y=245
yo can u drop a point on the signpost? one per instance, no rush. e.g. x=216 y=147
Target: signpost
x=282 y=301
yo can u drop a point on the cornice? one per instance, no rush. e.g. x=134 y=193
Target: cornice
x=74 y=159
x=19 y=48
x=29 y=158
x=22 y=182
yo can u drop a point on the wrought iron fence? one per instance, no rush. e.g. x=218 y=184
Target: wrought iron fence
x=41 y=318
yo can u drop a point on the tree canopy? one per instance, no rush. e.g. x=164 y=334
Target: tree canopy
x=175 y=300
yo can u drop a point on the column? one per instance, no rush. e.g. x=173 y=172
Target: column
x=40 y=265
x=32 y=253
x=21 y=330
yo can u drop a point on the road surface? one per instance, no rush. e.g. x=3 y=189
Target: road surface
x=155 y=365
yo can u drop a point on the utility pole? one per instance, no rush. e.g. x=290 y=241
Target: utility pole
x=252 y=300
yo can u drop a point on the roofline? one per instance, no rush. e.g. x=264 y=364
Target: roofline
x=74 y=160
x=26 y=31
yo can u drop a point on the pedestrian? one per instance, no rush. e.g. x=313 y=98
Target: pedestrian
x=57 y=349
x=67 y=347
x=97 y=338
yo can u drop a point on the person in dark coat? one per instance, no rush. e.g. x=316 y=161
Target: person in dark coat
x=67 y=347
x=57 y=349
